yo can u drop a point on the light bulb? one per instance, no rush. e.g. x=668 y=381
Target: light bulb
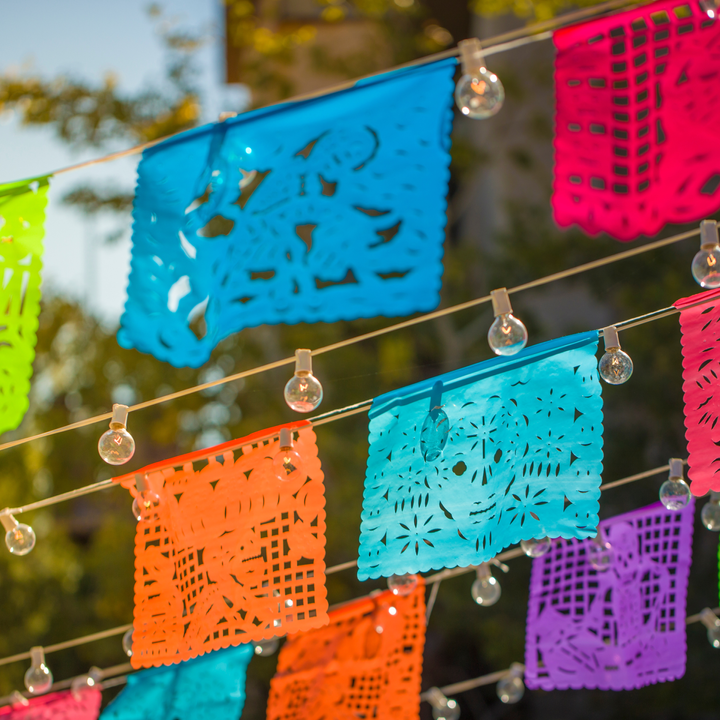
x=402 y=585
x=267 y=647
x=117 y=446
x=600 y=553
x=536 y=548
x=675 y=492
x=712 y=623
x=434 y=434
x=303 y=392
x=287 y=464
x=486 y=589
x=710 y=513
x=706 y=264
x=19 y=538
x=479 y=94
x=507 y=335
x=382 y=617
x=615 y=366
x=442 y=708
x=83 y=682
x=38 y=678
x=146 y=502
x=510 y=690
x=127 y=642
x=710 y=8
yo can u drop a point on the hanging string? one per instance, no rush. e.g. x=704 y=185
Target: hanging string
x=434 y=580
x=491 y=46
x=360 y=407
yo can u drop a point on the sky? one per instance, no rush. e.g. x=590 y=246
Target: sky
x=88 y=39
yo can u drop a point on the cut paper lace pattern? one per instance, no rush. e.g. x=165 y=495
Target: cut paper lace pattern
x=700 y=326
x=349 y=670
x=211 y=687
x=321 y=210
x=619 y=629
x=522 y=460
x=638 y=96
x=237 y=555
x=84 y=705
x=22 y=217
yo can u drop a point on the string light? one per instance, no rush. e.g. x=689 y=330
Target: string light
x=442 y=708
x=146 y=503
x=287 y=464
x=710 y=8
x=511 y=688
x=675 y=492
x=303 y=392
x=83 y=682
x=507 y=334
x=19 y=537
x=479 y=94
x=710 y=513
x=17 y=698
x=600 y=552
x=127 y=642
x=267 y=647
x=38 y=678
x=615 y=366
x=710 y=620
x=486 y=589
x=536 y=548
x=402 y=585
x=436 y=427
x=116 y=446
x=706 y=264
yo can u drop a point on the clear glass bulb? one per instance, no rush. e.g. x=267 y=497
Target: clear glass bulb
x=486 y=591
x=402 y=585
x=434 y=434
x=710 y=8
x=20 y=540
x=38 y=678
x=674 y=494
x=287 y=464
x=480 y=95
x=449 y=711
x=510 y=689
x=710 y=515
x=383 y=617
x=267 y=647
x=303 y=392
x=83 y=682
x=600 y=555
x=507 y=335
x=536 y=548
x=127 y=642
x=713 y=636
x=706 y=266
x=615 y=366
x=145 y=506
x=116 y=446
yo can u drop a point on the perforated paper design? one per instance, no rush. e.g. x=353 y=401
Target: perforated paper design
x=322 y=210
x=347 y=670
x=56 y=706
x=700 y=325
x=638 y=96
x=22 y=214
x=523 y=460
x=211 y=687
x=619 y=629
x=236 y=556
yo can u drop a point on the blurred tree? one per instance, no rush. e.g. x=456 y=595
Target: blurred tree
x=79 y=578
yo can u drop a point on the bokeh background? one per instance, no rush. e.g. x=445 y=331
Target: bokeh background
x=82 y=78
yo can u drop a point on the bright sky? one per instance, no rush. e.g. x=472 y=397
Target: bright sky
x=87 y=39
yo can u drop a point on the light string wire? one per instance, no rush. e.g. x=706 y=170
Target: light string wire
x=447 y=690
x=434 y=580
x=491 y=46
x=561 y=275
x=318 y=420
